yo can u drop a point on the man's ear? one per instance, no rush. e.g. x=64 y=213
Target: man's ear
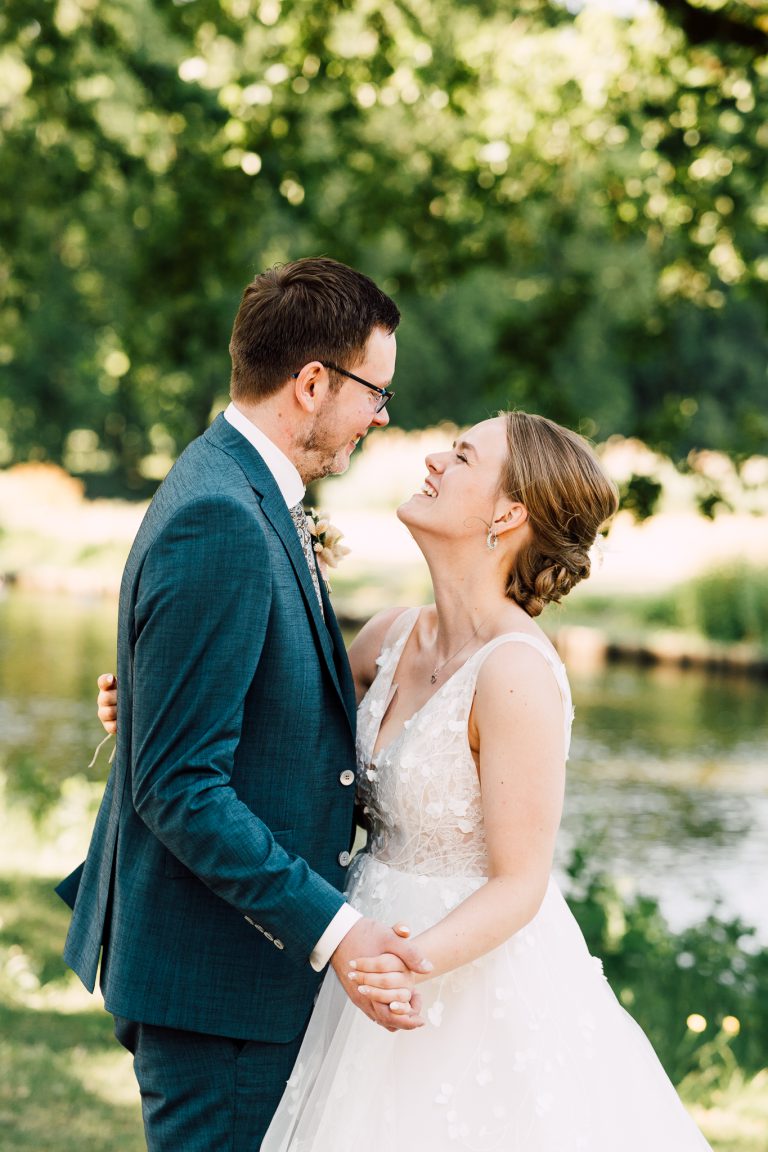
x=310 y=385
x=514 y=517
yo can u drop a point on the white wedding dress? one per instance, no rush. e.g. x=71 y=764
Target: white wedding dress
x=526 y=1049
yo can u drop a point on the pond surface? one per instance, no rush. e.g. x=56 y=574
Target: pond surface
x=668 y=775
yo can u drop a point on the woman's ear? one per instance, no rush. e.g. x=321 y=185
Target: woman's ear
x=515 y=516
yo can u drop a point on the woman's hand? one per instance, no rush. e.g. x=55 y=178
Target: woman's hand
x=386 y=980
x=381 y=977
x=106 y=701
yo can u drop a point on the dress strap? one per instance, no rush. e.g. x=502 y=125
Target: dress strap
x=396 y=636
x=381 y=690
x=558 y=668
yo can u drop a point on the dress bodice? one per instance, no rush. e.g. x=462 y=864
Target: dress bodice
x=421 y=791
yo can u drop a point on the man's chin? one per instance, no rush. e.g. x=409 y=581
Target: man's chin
x=341 y=460
x=335 y=467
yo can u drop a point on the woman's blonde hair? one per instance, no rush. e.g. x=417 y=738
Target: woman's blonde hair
x=569 y=497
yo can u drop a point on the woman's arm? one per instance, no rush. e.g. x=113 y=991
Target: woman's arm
x=518 y=731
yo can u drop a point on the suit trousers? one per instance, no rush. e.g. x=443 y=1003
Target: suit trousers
x=203 y=1093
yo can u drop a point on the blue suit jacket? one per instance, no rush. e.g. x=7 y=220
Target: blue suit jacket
x=228 y=796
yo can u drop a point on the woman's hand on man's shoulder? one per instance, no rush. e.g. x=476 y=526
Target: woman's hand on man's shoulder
x=106 y=701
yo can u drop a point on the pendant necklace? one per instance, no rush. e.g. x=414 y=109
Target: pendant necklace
x=439 y=667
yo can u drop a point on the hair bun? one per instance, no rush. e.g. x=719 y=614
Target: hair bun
x=555 y=474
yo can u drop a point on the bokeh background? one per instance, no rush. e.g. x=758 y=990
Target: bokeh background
x=569 y=202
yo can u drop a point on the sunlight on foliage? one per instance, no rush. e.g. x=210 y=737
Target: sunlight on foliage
x=568 y=205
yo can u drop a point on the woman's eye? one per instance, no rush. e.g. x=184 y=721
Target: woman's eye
x=461 y=456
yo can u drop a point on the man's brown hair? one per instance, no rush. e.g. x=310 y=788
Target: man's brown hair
x=311 y=309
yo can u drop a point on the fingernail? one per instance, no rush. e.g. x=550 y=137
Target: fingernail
x=396 y=1006
x=353 y=976
x=363 y=990
x=426 y=966
x=353 y=963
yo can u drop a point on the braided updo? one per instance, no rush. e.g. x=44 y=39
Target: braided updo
x=555 y=474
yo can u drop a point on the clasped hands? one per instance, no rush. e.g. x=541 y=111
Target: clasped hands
x=378 y=969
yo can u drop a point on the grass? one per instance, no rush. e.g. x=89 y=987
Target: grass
x=737 y=1119
x=66 y=1086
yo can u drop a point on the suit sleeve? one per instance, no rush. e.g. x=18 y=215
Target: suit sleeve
x=200 y=622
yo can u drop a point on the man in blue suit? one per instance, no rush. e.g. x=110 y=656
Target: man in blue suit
x=212 y=884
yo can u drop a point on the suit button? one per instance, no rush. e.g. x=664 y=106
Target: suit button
x=268 y=936
x=279 y=944
x=344 y=859
x=347 y=777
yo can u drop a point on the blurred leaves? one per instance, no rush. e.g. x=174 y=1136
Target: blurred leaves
x=570 y=209
x=713 y=970
x=640 y=495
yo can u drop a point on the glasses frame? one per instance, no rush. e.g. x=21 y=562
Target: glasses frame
x=384 y=394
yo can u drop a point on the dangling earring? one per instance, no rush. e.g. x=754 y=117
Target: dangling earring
x=491 y=539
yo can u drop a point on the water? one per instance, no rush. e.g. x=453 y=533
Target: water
x=667 y=778
x=668 y=773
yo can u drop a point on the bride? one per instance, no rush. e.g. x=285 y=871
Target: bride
x=463 y=731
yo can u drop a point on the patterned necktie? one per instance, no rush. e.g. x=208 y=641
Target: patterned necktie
x=299 y=518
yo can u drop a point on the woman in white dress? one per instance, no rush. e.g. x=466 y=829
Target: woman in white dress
x=463 y=732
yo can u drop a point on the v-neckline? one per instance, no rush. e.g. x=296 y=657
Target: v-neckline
x=376 y=753
x=402 y=641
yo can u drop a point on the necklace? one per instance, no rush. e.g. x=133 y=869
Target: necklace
x=439 y=667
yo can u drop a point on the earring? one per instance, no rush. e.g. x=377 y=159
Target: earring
x=491 y=539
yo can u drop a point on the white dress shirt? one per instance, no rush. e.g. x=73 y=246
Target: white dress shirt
x=292 y=489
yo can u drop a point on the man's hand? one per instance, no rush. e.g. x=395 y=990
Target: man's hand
x=395 y=1007
x=106 y=701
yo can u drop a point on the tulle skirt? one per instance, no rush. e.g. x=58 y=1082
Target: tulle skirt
x=526 y=1049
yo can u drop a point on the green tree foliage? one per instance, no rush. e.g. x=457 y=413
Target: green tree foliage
x=570 y=208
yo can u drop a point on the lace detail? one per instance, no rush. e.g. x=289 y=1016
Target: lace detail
x=421 y=791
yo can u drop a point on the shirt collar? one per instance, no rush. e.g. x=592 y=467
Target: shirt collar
x=283 y=470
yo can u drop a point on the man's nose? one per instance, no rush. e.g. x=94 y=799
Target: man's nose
x=381 y=419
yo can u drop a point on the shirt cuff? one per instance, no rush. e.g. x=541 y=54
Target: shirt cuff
x=343 y=921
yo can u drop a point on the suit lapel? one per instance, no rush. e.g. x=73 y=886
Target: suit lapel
x=274 y=508
x=346 y=683
x=327 y=633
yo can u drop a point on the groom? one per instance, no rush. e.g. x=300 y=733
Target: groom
x=212 y=884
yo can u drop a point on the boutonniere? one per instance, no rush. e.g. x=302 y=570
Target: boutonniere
x=326 y=542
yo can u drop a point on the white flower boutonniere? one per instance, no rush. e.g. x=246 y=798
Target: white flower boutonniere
x=326 y=542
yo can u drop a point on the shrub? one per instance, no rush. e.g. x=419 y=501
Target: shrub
x=710 y=974
x=731 y=604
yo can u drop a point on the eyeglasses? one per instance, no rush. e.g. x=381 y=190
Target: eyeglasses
x=383 y=393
